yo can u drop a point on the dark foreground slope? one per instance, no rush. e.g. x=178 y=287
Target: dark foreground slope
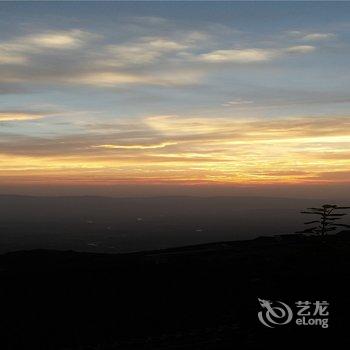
x=199 y=297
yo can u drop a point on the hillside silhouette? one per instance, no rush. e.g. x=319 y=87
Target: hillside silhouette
x=195 y=297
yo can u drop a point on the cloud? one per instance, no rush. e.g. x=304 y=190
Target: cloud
x=19 y=116
x=294 y=33
x=144 y=51
x=335 y=176
x=6 y=88
x=253 y=55
x=170 y=148
x=139 y=61
x=300 y=49
x=237 y=56
x=315 y=36
x=237 y=102
x=166 y=45
x=59 y=40
x=11 y=58
x=318 y=36
x=113 y=79
x=137 y=147
x=19 y=50
x=74 y=58
x=253 y=130
x=30 y=60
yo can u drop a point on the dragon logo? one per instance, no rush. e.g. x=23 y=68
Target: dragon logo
x=272 y=315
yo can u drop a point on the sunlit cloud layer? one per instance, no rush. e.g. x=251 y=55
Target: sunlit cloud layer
x=79 y=57
x=18 y=116
x=148 y=95
x=318 y=36
x=177 y=149
x=252 y=55
x=18 y=50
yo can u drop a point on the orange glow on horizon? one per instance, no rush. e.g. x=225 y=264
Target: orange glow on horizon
x=196 y=151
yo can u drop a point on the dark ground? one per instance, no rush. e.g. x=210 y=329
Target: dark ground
x=197 y=297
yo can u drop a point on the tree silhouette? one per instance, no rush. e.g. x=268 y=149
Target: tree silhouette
x=326 y=221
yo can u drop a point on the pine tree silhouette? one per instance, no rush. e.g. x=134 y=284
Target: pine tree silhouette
x=327 y=219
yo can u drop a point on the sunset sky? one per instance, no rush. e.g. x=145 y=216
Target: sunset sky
x=112 y=96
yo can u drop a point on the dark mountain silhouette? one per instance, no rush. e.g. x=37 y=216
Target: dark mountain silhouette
x=194 y=297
